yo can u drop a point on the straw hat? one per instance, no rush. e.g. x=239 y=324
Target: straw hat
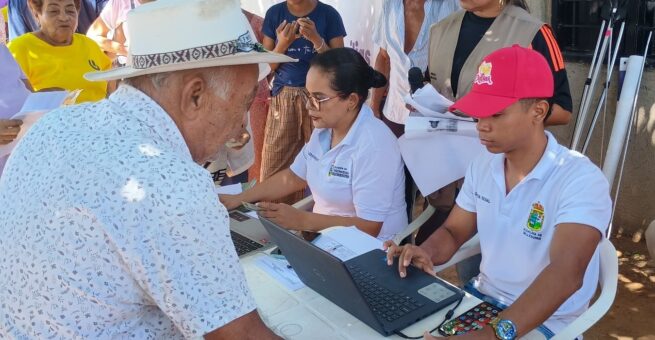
x=173 y=35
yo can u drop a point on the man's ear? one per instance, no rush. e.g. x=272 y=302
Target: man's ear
x=540 y=110
x=193 y=96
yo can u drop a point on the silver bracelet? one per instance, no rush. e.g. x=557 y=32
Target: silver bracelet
x=320 y=47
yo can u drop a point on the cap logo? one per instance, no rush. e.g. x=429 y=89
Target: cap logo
x=484 y=74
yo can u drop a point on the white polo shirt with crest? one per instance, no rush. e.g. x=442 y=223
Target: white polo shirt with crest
x=362 y=176
x=516 y=229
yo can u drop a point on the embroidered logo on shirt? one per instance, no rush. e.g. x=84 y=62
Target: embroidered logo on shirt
x=484 y=74
x=338 y=171
x=535 y=222
x=94 y=65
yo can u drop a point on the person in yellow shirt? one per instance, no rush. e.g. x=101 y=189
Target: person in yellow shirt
x=57 y=57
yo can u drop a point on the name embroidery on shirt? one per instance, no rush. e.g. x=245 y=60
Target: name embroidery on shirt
x=482 y=198
x=535 y=222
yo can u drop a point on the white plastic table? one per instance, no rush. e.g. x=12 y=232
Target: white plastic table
x=305 y=314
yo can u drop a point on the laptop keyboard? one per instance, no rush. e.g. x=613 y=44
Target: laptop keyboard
x=385 y=304
x=243 y=244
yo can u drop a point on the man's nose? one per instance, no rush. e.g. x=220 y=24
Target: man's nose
x=483 y=125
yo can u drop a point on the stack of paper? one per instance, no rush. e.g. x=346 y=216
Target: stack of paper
x=430 y=103
x=346 y=242
x=438 y=159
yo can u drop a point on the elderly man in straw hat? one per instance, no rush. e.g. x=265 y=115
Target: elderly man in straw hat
x=109 y=227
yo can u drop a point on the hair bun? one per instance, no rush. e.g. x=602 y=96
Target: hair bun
x=377 y=79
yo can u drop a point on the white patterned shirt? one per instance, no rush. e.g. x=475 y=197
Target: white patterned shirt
x=109 y=230
x=389 y=34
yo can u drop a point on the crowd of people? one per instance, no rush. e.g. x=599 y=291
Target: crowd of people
x=109 y=221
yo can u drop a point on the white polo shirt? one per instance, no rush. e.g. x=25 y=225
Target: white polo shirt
x=362 y=176
x=389 y=34
x=516 y=229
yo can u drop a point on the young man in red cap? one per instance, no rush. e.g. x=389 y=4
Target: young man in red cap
x=539 y=209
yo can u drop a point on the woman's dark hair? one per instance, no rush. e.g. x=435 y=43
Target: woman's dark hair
x=37 y=5
x=349 y=72
x=518 y=3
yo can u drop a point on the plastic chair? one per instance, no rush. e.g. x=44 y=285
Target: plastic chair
x=307 y=203
x=607 y=279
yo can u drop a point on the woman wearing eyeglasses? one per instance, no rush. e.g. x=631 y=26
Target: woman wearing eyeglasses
x=351 y=163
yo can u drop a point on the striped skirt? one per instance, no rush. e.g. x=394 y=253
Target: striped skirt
x=288 y=128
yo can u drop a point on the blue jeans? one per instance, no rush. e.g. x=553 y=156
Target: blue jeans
x=470 y=288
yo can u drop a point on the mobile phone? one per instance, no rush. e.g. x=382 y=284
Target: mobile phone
x=309 y=236
x=471 y=320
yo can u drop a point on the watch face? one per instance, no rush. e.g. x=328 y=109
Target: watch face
x=506 y=330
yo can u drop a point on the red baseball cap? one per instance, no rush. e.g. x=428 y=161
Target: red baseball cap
x=504 y=77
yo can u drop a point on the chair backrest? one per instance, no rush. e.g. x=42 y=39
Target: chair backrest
x=607 y=279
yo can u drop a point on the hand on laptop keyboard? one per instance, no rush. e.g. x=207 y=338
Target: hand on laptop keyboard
x=408 y=255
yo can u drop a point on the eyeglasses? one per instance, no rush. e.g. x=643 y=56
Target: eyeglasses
x=314 y=103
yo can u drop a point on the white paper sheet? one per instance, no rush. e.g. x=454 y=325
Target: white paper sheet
x=346 y=242
x=35 y=106
x=232 y=189
x=428 y=102
x=281 y=271
x=252 y=214
x=437 y=159
x=46 y=101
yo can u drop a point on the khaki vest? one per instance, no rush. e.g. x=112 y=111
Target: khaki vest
x=513 y=26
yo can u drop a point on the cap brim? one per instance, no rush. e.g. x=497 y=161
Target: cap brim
x=262 y=58
x=480 y=105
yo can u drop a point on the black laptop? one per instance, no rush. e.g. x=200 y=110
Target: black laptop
x=365 y=286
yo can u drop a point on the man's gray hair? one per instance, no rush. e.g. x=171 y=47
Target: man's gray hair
x=218 y=79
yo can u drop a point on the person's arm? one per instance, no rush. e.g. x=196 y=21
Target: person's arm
x=545 y=43
x=279 y=185
x=249 y=326
x=292 y=218
x=571 y=249
x=440 y=247
x=336 y=42
x=382 y=65
x=98 y=32
x=558 y=116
